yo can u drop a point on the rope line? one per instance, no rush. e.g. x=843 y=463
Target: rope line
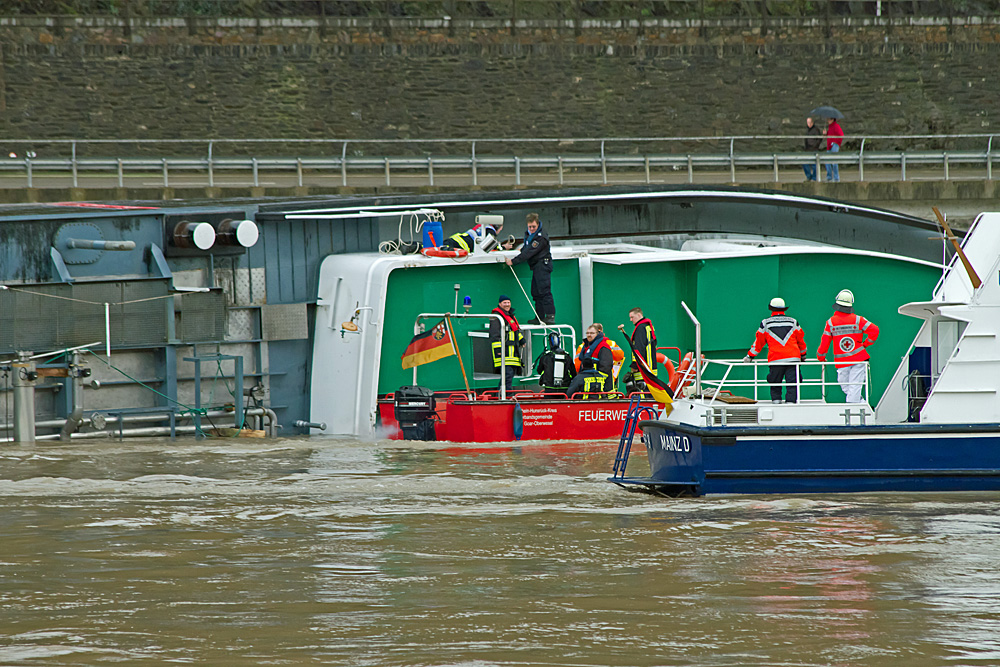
x=91 y=303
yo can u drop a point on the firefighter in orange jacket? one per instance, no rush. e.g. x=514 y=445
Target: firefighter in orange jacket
x=848 y=336
x=786 y=345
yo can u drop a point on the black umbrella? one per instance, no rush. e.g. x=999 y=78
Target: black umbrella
x=826 y=112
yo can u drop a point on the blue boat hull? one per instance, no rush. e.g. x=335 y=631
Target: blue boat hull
x=694 y=461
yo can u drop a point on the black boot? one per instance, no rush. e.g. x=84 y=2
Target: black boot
x=533 y=320
x=550 y=319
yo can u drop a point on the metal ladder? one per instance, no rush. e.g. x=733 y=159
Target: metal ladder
x=636 y=411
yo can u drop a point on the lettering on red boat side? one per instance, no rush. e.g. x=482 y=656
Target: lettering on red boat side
x=597 y=415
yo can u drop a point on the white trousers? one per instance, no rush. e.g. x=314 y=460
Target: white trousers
x=852 y=379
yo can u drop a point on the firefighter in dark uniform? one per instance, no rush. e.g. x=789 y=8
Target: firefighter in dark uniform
x=537 y=254
x=555 y=366
x=643 y=338
x=596 y=363
x=506 y=341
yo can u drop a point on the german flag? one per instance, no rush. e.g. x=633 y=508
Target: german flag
x=429 y=346
x=662 y=394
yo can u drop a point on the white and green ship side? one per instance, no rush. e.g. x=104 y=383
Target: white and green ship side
x=727 y=284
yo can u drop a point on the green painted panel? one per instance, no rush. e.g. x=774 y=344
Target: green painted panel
x=731 y=290
x=658 y=288
x=412 y=291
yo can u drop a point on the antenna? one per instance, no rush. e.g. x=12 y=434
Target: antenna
x=976 y=282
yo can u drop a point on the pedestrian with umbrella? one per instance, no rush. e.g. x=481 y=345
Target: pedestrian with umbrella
x=834 y=138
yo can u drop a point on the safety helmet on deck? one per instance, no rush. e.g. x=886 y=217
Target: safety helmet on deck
x=845 y=298
x=777 y=303
x=554 y=340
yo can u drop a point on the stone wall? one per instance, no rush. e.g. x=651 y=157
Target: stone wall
x=295 y=79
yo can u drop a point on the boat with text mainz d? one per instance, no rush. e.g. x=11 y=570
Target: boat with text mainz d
x=936 y=426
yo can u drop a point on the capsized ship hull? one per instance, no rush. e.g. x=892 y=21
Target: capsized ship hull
x=728 y=284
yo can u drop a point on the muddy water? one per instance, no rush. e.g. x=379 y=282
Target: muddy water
x=342 y=552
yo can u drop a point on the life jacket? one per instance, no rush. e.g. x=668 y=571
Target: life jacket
x=645 y=348
x=587 y=352
x=783 y=337
x=844 y=334
x=507 y=346
x=461 y=240
x=466 y=240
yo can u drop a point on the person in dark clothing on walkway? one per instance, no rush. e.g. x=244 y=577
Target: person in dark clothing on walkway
x=537 y=254
x=814 y=144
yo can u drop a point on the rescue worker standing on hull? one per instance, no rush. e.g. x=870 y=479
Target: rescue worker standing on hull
x=848 y=336
x=537 y=254
x=596 y=364
x=506 y=341
x=786 y=345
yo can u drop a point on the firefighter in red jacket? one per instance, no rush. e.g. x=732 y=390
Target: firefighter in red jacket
x=848 y=336
x=786 y=346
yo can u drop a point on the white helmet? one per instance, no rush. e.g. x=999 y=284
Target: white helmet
x=777 y=303
x=845 y=297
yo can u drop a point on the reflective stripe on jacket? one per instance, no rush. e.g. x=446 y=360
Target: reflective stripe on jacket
x=847 y=335
x=644 y=342
x=506 y=343
x=782 y=336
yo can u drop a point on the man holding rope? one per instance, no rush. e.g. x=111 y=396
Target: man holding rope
x=537 y=254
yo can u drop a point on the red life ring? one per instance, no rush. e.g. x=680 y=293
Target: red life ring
x=675 y=379
x=444 y=252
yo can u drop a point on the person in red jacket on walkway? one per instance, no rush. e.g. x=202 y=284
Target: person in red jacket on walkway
x=848 y=336
x=834 y=138
x=786 y=346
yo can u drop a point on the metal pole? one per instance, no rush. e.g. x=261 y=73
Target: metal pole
x=989 y=160
x=211 y=171
x=902 y=165
x=697 y=350
x=517 y=170
x=24 y=398
x=75 y=181
x=475 y=171
x=861 y=161
x=732 y=161
x=343 y=165
x=430 y=171
x=604 y=165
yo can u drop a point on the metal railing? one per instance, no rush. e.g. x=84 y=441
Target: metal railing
x=409 y=163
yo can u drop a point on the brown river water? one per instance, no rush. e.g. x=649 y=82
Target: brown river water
x=342 y=552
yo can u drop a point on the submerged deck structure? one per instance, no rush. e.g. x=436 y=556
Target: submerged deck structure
x=181 y=321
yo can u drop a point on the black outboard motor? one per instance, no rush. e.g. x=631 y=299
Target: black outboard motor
x=414 y=410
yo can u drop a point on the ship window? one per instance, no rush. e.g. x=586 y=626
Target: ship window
x=947 y=335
